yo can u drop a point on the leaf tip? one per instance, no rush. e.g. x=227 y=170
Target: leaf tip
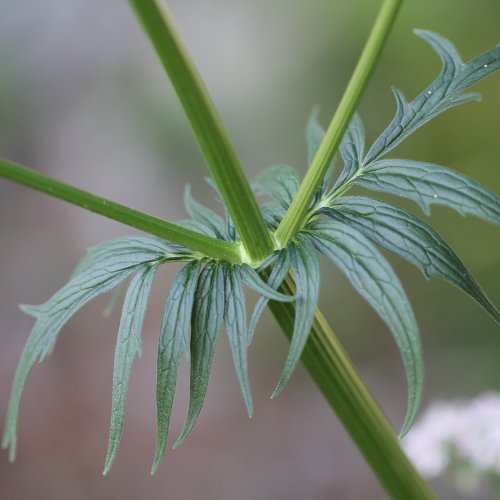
x=107 y=465
x=420 y=32
x=155 y=467
x=250 y=410
x=426 y=35
x=405 y=429
x=278 y=389
x=9 y=445
x=29 y=310
x=185 y=433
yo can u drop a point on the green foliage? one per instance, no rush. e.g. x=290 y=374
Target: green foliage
x=203 y=301
x=174 y=341
x=429 y=184
x=235 y=320
x=95 y=276
x=128 y=346
x=374 y=279
x=445 y=92
x=206 y=323
x=209 y=291
x=276 y=278
x=305 y=265
x=405 y=235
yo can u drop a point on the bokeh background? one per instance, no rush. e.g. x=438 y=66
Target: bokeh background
x=84 y=99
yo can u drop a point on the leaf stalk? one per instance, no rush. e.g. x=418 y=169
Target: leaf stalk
x=297 y=212
x=207 y=125
x=210 y=247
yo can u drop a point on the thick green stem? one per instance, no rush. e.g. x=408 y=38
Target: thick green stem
x=208 y=128
x=210 y=247
x=344 y=389
x=328 y=363
x=297 y=211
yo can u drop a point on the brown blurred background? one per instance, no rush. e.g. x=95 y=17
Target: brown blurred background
x=83 y=98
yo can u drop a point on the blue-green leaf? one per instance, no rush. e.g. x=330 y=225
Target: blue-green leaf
x=138 y=248
x=280 y=182
x=128 y=346
x=352 y=149
x=306 y=272
x=428 y=184
x=235 y=320
x=443 y=93
x=314 y=136
x=278 y=274
x=203 y=215
x=99 y=276
x=194 y=225
x=254 y=281
x=231 y=230
x=273 y=213
x=174 y=340
x=372 y=276
x=206 y=323
x=116 y=296
x=402 y=233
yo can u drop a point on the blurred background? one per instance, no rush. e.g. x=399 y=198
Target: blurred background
x=84 y=99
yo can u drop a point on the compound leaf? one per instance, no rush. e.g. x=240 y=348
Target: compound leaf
x=206 y=323
x=235 y=320
x=137 y=248
x=278 y=274
x=429 y=184
x=314 y=136
x=231 y=230
x=128 y=346
x=305 y=265
x=174 y=341
x=203 y=215
x=443 y=93
x=101 y=273
x=352 y=149
x=407 y=236
x=273 y=213
x=372 y=276
x=280 y=182
x=254 y=281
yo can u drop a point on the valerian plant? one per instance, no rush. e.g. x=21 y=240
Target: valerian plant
x=209 y=291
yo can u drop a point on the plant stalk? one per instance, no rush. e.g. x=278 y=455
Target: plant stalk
x=210 y=247
x=212 y=136
x=294 y=218
x=328 y=363
x=325 y=358
x=345 y=391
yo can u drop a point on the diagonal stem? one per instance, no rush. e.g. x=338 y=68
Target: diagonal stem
x=345 y=391
x=211 y=247
x=297 y=211
x=208 y=128
x=330 y=366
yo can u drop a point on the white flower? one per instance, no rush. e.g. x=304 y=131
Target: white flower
x=467 y=432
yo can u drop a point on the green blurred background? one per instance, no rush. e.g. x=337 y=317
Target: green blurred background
x=83 y=98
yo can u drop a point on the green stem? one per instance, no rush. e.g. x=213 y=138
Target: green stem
x=344 y=389
x=297 y=211
x=210 y=247
x=208 y=128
